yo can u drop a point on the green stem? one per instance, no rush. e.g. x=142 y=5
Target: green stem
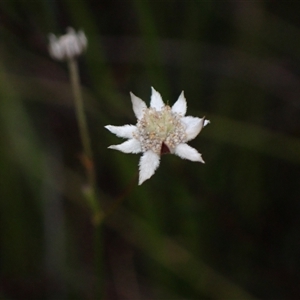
x=83 y=129
x=88 y=161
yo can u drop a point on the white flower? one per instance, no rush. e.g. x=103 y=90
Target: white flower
x=160 y=129
x=67 y=46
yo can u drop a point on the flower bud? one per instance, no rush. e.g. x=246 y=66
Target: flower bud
x=68 y=46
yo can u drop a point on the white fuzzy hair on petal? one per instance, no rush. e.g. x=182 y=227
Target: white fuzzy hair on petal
x=138 y=106
x=156 y=100
x=180 y=105
x=193 y=126
x=125 y=131
x=187 y=152
x=130 y=146
x=149 y=162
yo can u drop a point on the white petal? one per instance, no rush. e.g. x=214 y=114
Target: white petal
x=149 y=162
x=206 y=122
x=122 y=131
x=187 y=152
x=180 y=105
x=130 y=146
x=193 y=126
x=156 y=100
x=138 y=106
x=82 y=38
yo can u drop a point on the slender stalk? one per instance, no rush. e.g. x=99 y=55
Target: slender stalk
x=82 y=124
x=87 y=158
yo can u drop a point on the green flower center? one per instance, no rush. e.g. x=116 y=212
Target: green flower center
x=160 y=128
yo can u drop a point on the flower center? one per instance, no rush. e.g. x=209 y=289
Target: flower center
x=158 y=130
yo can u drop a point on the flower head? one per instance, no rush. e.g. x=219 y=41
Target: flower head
x=160 y=129
x=67 y=46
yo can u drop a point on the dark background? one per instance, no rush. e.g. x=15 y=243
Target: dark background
x=228 y=229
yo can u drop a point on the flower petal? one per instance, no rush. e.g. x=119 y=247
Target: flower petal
x=180 y=105
x=138 y=106
x=149 y=162
x=193 y=126
x=156 y=100
x=187 y=152
x=122 y=131
x=130 y=146
x=206 y=122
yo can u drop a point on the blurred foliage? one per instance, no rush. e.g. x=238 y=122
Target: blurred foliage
x=228 y=229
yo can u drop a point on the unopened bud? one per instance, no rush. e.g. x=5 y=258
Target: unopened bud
x=68 y=46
